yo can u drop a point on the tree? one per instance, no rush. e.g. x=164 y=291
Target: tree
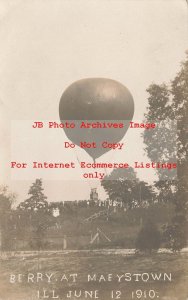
x=149 y=237
x=167 y=190
x=123 y=184
x=173 y=234
x=168 y=105
x=6 y=202
x=37 y=200
x=36 y=207
x=161 y=141
x=144 y=193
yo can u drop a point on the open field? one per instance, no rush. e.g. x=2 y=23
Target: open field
x=60 y=266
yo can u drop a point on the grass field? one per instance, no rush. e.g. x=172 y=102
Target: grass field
x=60 y=266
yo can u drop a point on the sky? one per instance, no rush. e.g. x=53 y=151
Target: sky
x=47 y=45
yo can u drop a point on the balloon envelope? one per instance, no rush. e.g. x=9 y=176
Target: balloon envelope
x=96 y=99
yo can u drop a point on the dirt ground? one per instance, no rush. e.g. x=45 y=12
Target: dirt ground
x=102 y=275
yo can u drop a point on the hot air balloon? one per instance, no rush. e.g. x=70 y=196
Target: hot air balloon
x=96 y=99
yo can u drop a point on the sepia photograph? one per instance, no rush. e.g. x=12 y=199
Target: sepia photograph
x=94 y=149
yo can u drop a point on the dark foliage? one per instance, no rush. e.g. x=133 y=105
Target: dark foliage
x=149 y=238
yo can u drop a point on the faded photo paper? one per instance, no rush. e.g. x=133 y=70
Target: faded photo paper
x=93 y=149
